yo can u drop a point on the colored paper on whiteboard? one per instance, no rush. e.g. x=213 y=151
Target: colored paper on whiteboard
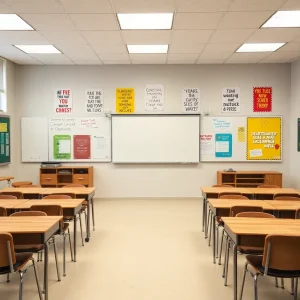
x=224 y=145
x=62 y=147
x=82 y=146
x=241 y=134
x=3 y=127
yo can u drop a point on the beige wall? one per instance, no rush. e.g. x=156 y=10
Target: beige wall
x=35 y=93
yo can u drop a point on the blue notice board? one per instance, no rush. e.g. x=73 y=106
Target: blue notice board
x=223 y=145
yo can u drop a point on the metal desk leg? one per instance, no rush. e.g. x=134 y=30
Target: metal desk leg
x=46 y=250
x=93 y=215
x=214 y=236
x=88 y=225
x=9 y=183
x=203 y=215
x=234 y=271
x=75 y=234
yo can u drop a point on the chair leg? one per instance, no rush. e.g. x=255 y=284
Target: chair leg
x=282 y=283
x=243 y=282
x=221 y=247
x=7 y=278
x=255 y=287
x=80 y=223
x=276 y=282
x=37 y=279
x=56 y=261
x=21 y=285
x=296 y=289
x=292 y=286
x=71 y=249
x=93 y=215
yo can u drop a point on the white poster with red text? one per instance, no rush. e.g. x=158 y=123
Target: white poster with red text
x=63 y=101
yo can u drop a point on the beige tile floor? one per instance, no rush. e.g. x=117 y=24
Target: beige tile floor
x=143 y=250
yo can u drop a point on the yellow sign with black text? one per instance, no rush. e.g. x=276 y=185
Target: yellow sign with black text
x=125 y=100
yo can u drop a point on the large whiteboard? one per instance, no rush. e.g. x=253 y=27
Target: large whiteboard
x=155 y=138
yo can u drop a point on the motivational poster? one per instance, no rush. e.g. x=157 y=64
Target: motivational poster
x=262 y=99
x=63 y=101
x=94 y=101
x=231 y=100
x=190 y=100
x=82 y=146
x=154 y=97
x=62 y=147
x=125 y=100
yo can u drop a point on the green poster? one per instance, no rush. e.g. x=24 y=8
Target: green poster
x=62 y=147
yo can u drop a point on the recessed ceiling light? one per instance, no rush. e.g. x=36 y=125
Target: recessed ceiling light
x=34 y=49
x=284 y=19
x=146 y=21
x=13 y=22
x=148 y=48
x=260 y=47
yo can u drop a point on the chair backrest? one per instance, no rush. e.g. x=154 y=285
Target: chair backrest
x=297 y=215
x=8 y=197
x=50 y=210
x=3 y=212
x=69 y=185
x=233 y=196
x=58 y=196
x=223 y=185
x=20 y=183
x=234 y=210
x=29 y=214
x=252 y=214
x=286 y=197
x=281 y=252
x=30 y=186
x=269 y=186
x=18 y=195
x=7 y=256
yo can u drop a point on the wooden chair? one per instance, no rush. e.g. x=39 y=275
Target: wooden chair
x=20 y=183
x=60 y=196
x=228 y=193
x=18 y=195
x=268 y=186
x=291 y=197
x=234 y=210
x=30 y=186
x=233 y=196
x=223 y=185
x=8 y=197
x=11 y=262
x=56 y=210
x=3 y=212
x=251 y=214
x=275 y=262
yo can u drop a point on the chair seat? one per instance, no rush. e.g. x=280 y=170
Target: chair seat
x=21 y=261
x=256 y=262
x=20 y=183
x=29 y=248
x=250 y=250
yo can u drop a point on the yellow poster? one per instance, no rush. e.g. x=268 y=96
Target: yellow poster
x=264 y=138
x=125 y=100
x=241 y=134
x=3 y=127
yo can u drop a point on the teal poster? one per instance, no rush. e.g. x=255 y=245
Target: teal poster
x=223 y=145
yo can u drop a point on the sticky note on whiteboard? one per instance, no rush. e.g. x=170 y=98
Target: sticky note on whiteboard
x=255 y=152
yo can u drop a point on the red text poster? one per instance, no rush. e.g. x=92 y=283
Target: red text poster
x=82 y=146
x=262 y=99
x=63 y=101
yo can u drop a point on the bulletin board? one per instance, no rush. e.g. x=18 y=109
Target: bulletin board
x=5 y=157
x=241 y=139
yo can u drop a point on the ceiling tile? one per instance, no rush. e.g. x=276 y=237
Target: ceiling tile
x=211 y=61
x=12 y=53
x=197 y=20
x=103 y=37
x=36 y=6
x=145 y=6
x=244 y=20
x=114 y=56
x=217 y=48
x=146 y=37
x=245 y=58
x=154 y=57
x=87 y=62
x=53 y=59
x=48 y=21
x=79 y=52
x=22 y=37
x=256 y=5
x=27 y=62
x=95 y=21
x=183 y=57
x=217 y=56
x=64 y=37
x=274 y=35
x=149 y=62
x=110 y=47
x=86 y=6
x=186 y=48
x=5 y=9
x=290 y=47
x=117 y=62
x=291 y=5
x=203 y=5
x=181 y=62
x=231 y=36
x=280 y=57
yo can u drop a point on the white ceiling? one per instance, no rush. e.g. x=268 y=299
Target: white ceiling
x=204 y=31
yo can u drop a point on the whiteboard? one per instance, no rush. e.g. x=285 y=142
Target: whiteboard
x=34 y=139
x=155 y=138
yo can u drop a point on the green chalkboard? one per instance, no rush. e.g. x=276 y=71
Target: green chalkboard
x=4 y=139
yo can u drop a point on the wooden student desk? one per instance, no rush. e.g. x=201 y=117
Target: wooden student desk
x=86 y=193
x=70 y=207
x=11 y=203
x=237 y=228
x=272 y=191
x=39 y=229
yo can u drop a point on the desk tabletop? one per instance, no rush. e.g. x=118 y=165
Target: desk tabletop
x=218 y=190
x=19 y=225
x=48 y=191
x=261 y=226
x=272 y=191
x=64 y=203
x=284 y=204
x=227 y=203
x=11 y=203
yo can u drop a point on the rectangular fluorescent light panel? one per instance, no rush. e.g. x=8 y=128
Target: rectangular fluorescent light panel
x=146 y=21
x=284 y=19
x=260 y=47
x=148 y=49
x=13 y=22
x=35 y=49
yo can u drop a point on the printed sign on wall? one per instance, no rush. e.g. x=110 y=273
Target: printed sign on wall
x=82 y=146
x=223 y=145
x=63 y=101
x=262 y=99
x=62 y=146
x=231 y=100
x=94 y=101
x=154 y=97
x=190 y=100
x=125 y=100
